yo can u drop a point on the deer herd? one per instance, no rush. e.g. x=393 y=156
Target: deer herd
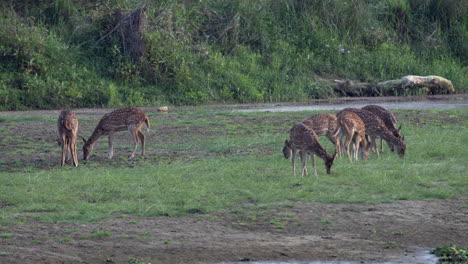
x=361 y=127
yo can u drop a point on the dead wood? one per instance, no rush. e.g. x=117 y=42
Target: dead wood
x=130 y=27
x=410 y=84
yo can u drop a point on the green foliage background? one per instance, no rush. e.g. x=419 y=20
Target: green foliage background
x=53 y=53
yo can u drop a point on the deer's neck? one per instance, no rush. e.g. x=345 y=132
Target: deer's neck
x=389 y=137
x=318 y=150
x=94 y=137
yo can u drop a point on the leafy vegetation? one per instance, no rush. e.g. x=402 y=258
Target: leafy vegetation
x=66 y=53
x=451 y=254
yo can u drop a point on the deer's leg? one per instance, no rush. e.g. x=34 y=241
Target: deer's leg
x=342 y=145
x=293 y=161
x=73 y=152
x=356 y=148
x=134 y=135
x=374 y=145
x=110 y=151
x=304 y=162
x=313 y=165
x=64 y=150
x=335 y=142
x=349 y=138
x=142 y=139
x=381 y=145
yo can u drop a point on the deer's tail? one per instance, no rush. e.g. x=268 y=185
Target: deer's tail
x=147 y=122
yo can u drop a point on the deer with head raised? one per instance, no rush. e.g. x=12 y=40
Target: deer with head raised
x=388 y=118
x=352 y=126
x=323 y=125
x=130 y=119
x=67 y=131
x=375 y=128
x=304 y=140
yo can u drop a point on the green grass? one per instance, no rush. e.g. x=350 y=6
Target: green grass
x=245 y=168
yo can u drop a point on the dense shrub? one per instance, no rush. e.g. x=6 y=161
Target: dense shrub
x=66 y=53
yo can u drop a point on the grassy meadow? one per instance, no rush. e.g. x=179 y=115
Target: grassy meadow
x=207 y=161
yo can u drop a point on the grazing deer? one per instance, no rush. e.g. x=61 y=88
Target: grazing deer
x=304 y=140
x=130 y=119
x=67 y=131
x=323 y=125
x=388 y=118
x=375 y=128
x=352 y=126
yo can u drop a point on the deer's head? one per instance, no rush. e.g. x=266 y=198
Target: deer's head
x=401 y=147
x=287 y=149
x=329 y=162
x=87 y=149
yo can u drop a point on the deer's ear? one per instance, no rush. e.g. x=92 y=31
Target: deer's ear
x=399 y=129
x=84 y=140
x=403 y=138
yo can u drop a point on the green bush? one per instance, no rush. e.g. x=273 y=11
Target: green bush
x=66 y=54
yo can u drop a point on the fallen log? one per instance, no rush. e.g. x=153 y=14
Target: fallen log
x=407 y=85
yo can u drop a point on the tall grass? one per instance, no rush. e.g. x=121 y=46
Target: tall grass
x=60 y=53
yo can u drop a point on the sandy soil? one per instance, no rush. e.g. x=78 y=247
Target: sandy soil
x=304 y=231
x=309 y=231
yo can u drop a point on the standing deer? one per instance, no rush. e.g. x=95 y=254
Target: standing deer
x=352 y=126
x=375 y=128
x=67 y=131
x=323 y=125
x=388 y=118
x=304 y=140
x=130 y=119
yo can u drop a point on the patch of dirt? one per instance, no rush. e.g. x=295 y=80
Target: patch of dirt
x=300 y=232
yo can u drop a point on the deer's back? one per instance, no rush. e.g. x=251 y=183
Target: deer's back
x=67 y=122
x=387 y=117
x=121 y=119
x=321 y=123
x=302 y=136
x=373 y=124
x=351 y=120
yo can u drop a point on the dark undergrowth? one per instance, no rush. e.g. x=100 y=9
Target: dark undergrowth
x=64 y=53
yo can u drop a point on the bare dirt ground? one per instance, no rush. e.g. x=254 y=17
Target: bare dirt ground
x=394 y=232
x=310 y=231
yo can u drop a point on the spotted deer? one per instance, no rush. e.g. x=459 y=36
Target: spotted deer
x=323 y=125
x=67 y=131
x=375 y=128
x=130 y=119
x=352 y=126
x=304 y=140
x=388 y=118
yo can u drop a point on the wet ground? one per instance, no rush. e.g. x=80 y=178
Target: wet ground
x=392 y=103
x=401 y=232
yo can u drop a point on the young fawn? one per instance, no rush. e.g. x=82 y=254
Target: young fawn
x=323 y=125
x=130 y=119
x=67 y=131
x=375 y=128
x=352 y=126
x=388 y=118
x=304 y=140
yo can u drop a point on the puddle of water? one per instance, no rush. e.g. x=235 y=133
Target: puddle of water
x=419 y=257
x=461 y=103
